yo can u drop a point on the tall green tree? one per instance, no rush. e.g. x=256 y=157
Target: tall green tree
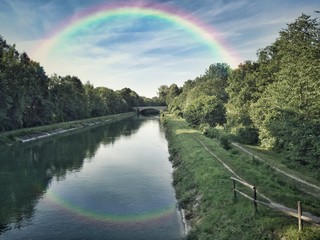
x=96 y=106
x=162 y=94
x=130 y=97
x=243 y=91
x=173 y=91
x=5 y=98
x=216 y=80
x=28 y=97
x=68 y=96
x=205 y=110
x=287 y=114
x=37 y=105
x=13 y=92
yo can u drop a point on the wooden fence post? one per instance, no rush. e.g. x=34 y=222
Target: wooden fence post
x=312 y=219
x=299 y=216
x=255 y=198
x=234 y=188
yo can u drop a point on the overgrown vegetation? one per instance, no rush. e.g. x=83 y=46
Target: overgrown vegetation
x=308 y=233
x=29 y=98
x=204 y=190
x=273 y=102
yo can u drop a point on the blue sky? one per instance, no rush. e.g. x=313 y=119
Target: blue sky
x=144 y=53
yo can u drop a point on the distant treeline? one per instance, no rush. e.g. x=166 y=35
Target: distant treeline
x=274 y=101
x=28 y=97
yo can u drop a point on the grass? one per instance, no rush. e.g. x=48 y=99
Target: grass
x=281 y=162
x=10 y=137
x=204 y=189
x=308 y=233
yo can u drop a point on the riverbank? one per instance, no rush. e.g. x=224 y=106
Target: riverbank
x=30 y=134
x=204 y=190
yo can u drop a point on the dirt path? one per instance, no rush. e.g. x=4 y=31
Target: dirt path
x=227 y=167
x=306 y=215
x=277 y=169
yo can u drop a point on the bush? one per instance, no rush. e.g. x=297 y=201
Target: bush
x=205 y=110
x=225 y=141
x=247 y=135
x=211 y=132
x=204 y=127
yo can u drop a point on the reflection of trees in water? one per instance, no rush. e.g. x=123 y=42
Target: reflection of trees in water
x=26 y=170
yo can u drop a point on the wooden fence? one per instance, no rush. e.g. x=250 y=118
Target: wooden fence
x=288 y=211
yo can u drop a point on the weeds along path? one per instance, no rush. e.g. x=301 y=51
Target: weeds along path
x=307 y=216
x=227 y=167
x=277 y=169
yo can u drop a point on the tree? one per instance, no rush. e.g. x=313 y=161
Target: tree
x=5 y=98
x=287 y=115
x=28 y=97
x=162 y=94
x=96 y=106
x=205 y=109
x=130 y=97
x=37 y=106
x=13 y=92
x=243 y=90
x=216 y=78
x=172 y=92
x=68 y=96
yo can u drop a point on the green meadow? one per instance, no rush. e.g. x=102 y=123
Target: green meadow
x=205 y=191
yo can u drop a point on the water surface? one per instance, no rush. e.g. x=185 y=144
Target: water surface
x=108 y=182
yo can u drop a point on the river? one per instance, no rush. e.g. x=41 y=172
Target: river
x=107 y=182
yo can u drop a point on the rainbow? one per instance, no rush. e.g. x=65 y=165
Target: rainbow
x=200 y=31
x=150 y=217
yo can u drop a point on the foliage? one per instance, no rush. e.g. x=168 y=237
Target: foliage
x=204 y=188
x=242 y=90
x=28 y=97
x=24 y=90
x=247 y=135
x=200 y=101
x=205 y=109
x=216 y=81
x=287 y=113
x=225 y=141
x=212 y=133
x=273 y=101
x=308 y=233
x=162 y=94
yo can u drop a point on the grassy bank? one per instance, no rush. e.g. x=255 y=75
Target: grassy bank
x=11 y=137
x=282 y=162
x=204 y=190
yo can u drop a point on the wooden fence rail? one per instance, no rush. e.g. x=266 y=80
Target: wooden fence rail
x=235 y=191
x=288 y=211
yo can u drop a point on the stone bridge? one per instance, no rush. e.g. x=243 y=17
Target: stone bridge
x=157 y=108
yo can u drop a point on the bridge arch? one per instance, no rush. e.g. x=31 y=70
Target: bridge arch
x=157 y=108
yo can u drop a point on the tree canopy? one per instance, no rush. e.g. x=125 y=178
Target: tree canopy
x=274 y=101
x=28 y=97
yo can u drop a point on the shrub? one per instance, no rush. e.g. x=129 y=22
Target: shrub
x=212 y=133
x=205 y=109
x=225 y=141
x=247 y=135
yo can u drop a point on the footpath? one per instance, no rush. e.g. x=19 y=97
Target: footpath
x=307 y=216
x=284 y=172
x=30 y=134
x=202 y=177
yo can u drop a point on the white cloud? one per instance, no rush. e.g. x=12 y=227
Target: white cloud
x=132 y=64
x=116 y=56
